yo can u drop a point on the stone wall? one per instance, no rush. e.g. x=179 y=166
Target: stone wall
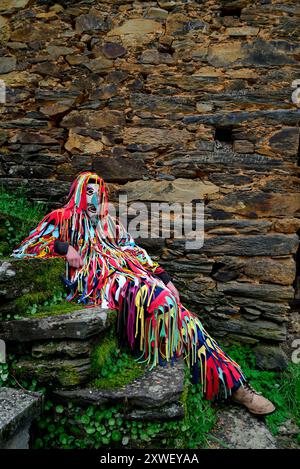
x=177 y=101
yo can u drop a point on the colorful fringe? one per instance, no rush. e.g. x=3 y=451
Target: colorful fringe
x=152 y=322
x=119 y=274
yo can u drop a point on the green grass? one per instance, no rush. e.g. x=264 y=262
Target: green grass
x=199 y=417
x=17 y=205
x=18 y=217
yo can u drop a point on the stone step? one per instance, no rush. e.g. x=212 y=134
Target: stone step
x=63 y=348
x=79 y=324
x=17 y=410
x=58 y=372
x=166 y=412
x=236 y=428
x=154 y=396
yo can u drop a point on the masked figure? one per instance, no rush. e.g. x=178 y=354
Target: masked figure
x=114 y=272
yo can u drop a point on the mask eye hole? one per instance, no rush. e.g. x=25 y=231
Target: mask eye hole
x=90 y=191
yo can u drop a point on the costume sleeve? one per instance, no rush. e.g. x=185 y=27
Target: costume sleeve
x=61 y=247
x=41 y=240
x=126 y=242
x=164 y=276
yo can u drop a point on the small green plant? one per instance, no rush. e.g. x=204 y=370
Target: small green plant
x=199 y=417
x=70 y=426
x=4 y=374
x=8 y=379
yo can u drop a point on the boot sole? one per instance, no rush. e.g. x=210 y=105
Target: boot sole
x=264 y=413
x=252 y=412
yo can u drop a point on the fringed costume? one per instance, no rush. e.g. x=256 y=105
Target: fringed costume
x=117 y=273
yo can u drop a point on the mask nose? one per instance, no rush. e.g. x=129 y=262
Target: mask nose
x=95 y=200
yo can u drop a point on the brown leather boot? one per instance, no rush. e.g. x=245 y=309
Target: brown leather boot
x=253 y=400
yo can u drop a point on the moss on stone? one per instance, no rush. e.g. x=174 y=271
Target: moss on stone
x=26 y=301
x=68 y=377
x=111 y=317
x=55 y=310
x=53 y=372
x=35 y=281
x=111 y=367
x=185 y=393
x=43 y=274
x=102 y=353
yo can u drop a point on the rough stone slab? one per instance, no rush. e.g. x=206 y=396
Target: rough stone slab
x=180 y=190
x=261 y=329
x=167 y=412
x=269 y=357
x=284 y=116
x=260 y=245
x=236 y=428
x=9 y=6
x=63 y=348
x=17 y=410
x=158 y=387
x=65 y=373
x=259 y=204
x=74 y=325
x=258 y=291
x=38 y=189
x=220 y=158
x=242 y=226
x=273 y=310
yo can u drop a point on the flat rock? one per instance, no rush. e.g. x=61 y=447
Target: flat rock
x=260 y=245
x=74 y=325
x=209 y=159
x=93 y=119
x=7 y=64
x=261 y=291
x=236 y=428
x=137 y=26
x=269 y=357
x=62 y=348
x=284 y=116
x=154 y=138
x=256 y=328
x=167 y=412
x=17 y=409
x=92 y=22
x=65 y=373
x=8 y=6
x=38 y=188
x=259 y=204
x=158 y=387
x=19 y=277
x=180 y=190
